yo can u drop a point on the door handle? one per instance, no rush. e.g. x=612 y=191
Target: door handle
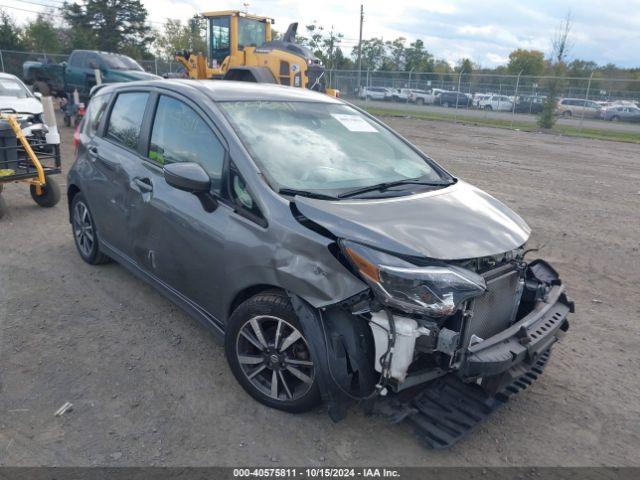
x=143 y=184
x=93 y=153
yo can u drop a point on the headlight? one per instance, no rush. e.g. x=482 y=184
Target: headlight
x=436 y=290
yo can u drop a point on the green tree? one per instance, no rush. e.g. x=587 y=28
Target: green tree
x=395 y=55
x=465 y=66
x=560 y=43
x=324 y=44
x=373 y=53
x=529 y=62
x=41 y=35
x=582 y=68
x=111 y=25
x=10 y=33
x=176 y=36
x=418 y=58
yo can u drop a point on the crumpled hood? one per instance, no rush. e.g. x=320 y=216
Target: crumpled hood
x=113 y=76
x=457 y=222
x=22 y=105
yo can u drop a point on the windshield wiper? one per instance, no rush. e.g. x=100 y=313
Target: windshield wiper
x=386 y=185
x=303 y=193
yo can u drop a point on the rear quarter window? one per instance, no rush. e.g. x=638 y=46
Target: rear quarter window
x=126 y=118
x=95 y=112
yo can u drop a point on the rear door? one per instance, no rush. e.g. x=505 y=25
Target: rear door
x=174 y=238
x=115 y=156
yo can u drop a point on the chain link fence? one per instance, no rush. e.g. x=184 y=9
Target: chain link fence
x=595 y=87
x=510 y=94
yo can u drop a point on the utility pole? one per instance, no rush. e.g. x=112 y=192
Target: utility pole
x=360 y=48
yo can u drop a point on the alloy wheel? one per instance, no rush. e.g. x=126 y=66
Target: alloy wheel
x=83 y=229
x=274 y=356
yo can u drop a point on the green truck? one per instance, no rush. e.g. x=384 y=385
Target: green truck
x=79 y=73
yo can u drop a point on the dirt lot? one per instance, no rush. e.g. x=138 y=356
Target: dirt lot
x=149 y=386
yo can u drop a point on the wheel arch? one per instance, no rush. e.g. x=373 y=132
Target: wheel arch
x=251 y=291
x=72 y=191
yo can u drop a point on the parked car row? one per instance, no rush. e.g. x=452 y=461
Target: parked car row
x=622 y=110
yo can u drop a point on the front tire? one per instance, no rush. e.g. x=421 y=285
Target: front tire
x=50 y=195
x=269 y=355
x=85 y=235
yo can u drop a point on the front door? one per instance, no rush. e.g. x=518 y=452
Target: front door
x=174 y=238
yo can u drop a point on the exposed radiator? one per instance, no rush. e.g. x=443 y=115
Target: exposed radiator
x=496 y=309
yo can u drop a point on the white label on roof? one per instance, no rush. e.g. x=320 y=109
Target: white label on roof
x=354 y=123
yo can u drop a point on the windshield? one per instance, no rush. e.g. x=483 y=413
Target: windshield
x=325 y=148
x=121 y=62
x=13 y=88
x=251 y=33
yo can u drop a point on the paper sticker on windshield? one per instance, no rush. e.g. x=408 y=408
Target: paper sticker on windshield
x=354 y=123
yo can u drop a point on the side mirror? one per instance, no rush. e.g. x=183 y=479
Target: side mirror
x=191 y=177
x=38 y=95
x=187 y=176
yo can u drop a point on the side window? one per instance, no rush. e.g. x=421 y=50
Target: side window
x=126 y=118
x=76 y=59
x=242 y=198
x=180 y=135
x=97 y=107
x=92 y=61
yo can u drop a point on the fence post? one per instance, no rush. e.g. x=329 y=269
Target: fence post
x=2 y=60
x=515 y=98
x=586 y=99
x=455 y=115
x=155 y=64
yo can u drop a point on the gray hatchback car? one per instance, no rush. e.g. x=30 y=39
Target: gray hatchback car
x=336 y=260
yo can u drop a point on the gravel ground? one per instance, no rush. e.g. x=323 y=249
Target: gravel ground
x=149 y=386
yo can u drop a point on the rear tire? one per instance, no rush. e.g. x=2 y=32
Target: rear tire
x=85 y=234
x=50 y=193
x=445 y=104
x=264 y=343
x=567 y=114
x=615 y=118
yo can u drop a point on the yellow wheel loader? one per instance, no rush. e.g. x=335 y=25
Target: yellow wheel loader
x=240 y=48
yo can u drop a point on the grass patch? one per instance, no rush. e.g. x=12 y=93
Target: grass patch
x=570 y=131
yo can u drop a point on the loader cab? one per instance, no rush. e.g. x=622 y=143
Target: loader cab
x=230 y=32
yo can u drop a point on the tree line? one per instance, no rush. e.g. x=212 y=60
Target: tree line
x=123 y=26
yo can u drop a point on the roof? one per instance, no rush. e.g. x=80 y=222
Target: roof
x=225 y=90
x=237 y=13
x=7 y=75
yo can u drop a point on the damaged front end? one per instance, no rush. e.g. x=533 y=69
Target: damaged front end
x=444 y=342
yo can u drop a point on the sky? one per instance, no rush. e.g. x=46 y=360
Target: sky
x=484 y=31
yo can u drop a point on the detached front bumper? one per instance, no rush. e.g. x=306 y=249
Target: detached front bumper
x=521 y=344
